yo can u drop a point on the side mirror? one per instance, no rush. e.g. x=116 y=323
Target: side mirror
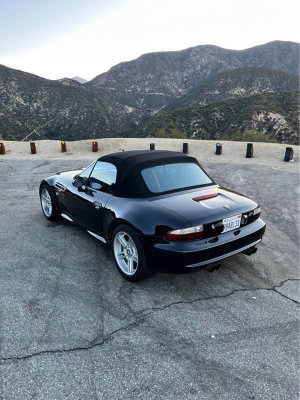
x=77 y=183
x=95 y=185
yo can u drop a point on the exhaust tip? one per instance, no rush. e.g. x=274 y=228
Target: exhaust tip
x=212 y=267
x=250 y=251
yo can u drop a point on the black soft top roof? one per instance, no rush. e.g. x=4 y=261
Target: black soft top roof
x=129 y=165
x=142 y=156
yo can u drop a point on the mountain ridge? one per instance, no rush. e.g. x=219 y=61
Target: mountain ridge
x=146 y=85
x=53 y=108
x=136 y=92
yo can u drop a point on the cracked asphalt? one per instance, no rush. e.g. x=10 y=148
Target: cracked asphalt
x=72 y=328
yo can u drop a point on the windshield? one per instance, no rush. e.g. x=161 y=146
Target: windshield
x=84 y=176
x=164 y=178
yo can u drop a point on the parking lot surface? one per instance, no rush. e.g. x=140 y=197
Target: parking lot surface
x=72 y=328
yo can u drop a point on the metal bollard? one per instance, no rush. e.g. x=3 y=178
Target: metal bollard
x=249 y=151
x=218 y=149
x=152 y=146
x=63 y=147
x=95 y=147
x=32 y=148
x=2 y=148
x=289 y=154
x=185 y=148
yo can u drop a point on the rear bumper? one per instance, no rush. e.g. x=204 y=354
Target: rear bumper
x=197 y=254
x=219 y=258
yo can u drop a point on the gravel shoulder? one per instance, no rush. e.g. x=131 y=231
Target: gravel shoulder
x=267 y=154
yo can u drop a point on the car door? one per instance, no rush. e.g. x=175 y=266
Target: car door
x=89 y=201
x=72 y=201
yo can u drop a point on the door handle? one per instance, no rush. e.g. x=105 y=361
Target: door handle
x=97 y=205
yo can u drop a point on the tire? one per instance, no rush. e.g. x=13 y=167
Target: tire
x=48 y=203
x=129 y=255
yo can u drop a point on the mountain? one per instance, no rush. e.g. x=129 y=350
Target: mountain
x=145 y=85
x=134 y=92
x=69 y=82
x=240 y=82
x=45 y=109
x=275 y=114
x=80 y=80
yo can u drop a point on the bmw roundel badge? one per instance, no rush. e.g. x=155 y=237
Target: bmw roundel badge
x=226 y=206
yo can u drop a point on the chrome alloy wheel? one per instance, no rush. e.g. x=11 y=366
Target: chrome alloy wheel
x=46 y=202
x=126 y=253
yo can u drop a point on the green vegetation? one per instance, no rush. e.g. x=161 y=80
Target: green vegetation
x=173 y=133
x=236 y=83
x=274 y=114
x=248 y=136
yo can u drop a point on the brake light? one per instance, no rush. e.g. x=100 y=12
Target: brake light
x=185 y=235
x=208 y=196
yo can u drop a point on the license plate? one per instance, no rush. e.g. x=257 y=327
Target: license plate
x=232 y=223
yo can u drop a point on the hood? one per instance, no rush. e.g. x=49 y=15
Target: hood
x=71 y=173
x=197 y=212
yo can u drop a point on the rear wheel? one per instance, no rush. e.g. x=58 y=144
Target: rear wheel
x=48 y=203
x=129 y=254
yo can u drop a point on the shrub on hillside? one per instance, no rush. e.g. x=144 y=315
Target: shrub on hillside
x=248 y=136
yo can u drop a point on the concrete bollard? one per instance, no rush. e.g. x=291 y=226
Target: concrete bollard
x=289 y=154
x=185 y=148
x=63 y=147
x=95 y=147
x=218 y=149
x=32 y=148
x=2 y=148
x=152 y=146
x=249 y=151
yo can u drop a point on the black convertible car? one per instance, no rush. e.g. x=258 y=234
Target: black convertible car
x=156 y=209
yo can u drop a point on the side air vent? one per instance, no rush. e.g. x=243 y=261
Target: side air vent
x=60 y=187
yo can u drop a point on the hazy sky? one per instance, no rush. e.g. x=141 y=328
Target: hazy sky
x=58 y=38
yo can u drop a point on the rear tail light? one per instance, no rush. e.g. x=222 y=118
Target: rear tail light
x=255 y=215
x=185 y=235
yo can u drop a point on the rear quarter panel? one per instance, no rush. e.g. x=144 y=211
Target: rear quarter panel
x=143 y=216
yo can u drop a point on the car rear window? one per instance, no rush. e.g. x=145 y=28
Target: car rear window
x=164 y=178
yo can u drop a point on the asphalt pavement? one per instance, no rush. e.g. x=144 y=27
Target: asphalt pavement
x=72 y=328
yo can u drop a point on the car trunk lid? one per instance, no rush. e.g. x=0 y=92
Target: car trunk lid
x=206 y=205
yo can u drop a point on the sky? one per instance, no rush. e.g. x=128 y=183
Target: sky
x=64 y=38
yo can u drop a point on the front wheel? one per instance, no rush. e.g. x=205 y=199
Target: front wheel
x=48 y=203
x=129 y=254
